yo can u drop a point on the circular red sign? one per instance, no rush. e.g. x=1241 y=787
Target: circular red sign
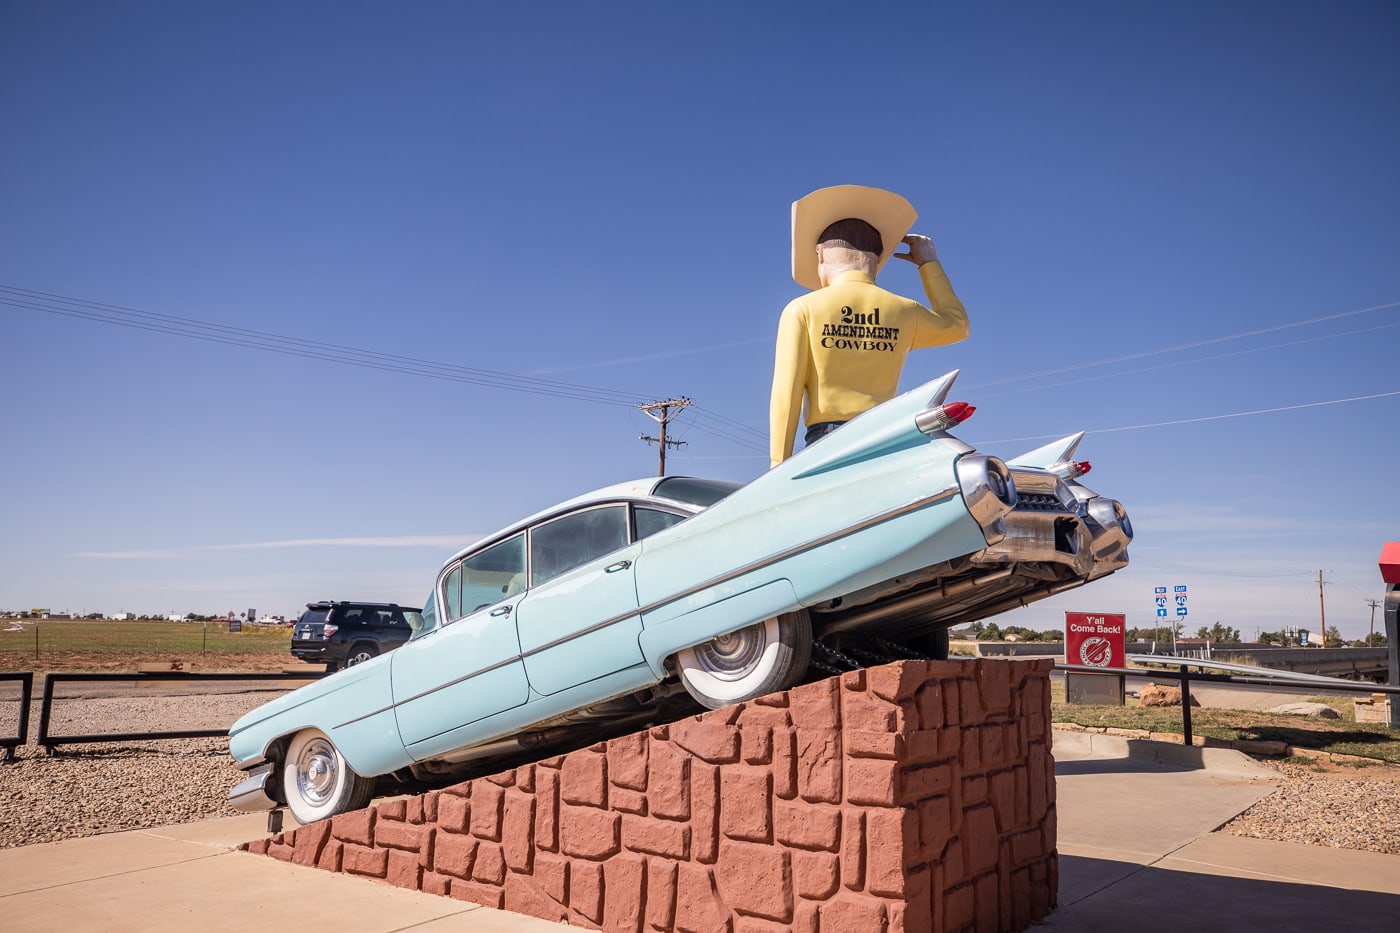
x=1096 y=652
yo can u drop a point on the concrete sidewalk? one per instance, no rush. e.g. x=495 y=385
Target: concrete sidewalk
x=190 y=877
x=1137 y=852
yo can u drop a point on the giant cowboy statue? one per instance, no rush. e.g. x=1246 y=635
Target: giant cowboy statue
x=843 y=344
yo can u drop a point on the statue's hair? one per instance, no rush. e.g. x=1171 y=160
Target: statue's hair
x=852 y=233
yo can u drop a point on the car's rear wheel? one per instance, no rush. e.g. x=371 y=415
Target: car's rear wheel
x=766 y=657
x=360 y=654
x=316 y=780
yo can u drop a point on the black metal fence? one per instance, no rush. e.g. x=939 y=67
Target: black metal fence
x=50 y=739
x=1185 y=677
x=9 y=743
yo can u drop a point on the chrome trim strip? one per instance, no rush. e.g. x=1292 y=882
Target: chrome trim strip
x=759 y=564
x=418 y=696
x=872 y=521
x=878 y=519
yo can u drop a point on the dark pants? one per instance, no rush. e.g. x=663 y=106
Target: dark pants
x=816 y=432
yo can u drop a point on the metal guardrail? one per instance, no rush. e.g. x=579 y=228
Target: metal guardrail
x=1229 y=668
x=51 y=742
x=1185 y=678
x=26 y=694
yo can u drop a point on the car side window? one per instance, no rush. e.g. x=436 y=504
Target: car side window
x=452 y=594
x=649 y=521
x=485 y=578
x=565 y=543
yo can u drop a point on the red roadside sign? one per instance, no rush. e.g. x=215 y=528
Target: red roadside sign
x=1390 y=562
x=1095 y=639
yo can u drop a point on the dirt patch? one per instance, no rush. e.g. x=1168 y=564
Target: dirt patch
x=1339 y=767
x=80 y=662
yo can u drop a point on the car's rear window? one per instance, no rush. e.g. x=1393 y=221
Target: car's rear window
x=649 y=521
x=314 y=616
x=701 y=492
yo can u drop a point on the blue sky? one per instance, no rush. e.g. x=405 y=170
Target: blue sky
x=1154 y=213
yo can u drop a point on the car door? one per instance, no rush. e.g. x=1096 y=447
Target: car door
x=579 y=620
x=468 y=667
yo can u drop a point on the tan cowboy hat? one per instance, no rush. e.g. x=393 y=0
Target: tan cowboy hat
x=884 y=210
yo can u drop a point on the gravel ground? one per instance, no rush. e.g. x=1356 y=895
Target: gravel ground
x=95 y=789
x=105 y=787
x=1323 y=804
x=109 y=787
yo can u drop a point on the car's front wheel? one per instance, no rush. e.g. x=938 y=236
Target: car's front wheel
x=317 y=781
x=766 y=657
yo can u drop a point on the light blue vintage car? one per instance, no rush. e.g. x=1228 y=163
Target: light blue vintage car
x=636 y=602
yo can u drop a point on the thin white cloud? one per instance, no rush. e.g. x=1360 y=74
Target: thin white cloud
x=436 y=542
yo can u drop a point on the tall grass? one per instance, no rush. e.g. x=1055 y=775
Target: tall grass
x=21 y=644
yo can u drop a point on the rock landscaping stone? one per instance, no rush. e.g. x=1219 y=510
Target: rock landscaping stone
x=1317 y=710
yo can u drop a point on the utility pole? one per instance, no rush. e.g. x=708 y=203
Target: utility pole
x=1322 y=609
x=662 y=413
x=1373 y=603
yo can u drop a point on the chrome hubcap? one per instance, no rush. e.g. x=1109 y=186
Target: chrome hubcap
x=735 y=655
x=317 y=772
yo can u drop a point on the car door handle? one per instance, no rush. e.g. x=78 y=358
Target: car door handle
x=620 y=565
x=503 y=611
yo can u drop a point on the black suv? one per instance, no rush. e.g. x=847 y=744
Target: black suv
x=340 y=634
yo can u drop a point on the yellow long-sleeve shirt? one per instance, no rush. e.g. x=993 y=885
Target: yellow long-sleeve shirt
x=843 y=347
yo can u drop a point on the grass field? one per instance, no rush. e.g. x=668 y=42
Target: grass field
x=115 y=646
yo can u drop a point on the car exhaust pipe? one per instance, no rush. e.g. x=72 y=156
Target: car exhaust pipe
x=251 y=795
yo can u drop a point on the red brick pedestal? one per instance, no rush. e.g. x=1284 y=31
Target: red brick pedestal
x=915 y=796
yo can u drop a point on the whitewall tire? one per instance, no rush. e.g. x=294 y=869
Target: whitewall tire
x=763 y=658
x=316 y=780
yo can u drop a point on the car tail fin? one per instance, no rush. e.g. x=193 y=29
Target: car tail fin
x=884 y=429
x=1057 y=454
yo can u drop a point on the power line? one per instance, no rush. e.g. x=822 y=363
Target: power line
x=731 y=423
x=759 y=435
x=1193 y=345
x=709 y=422
x=1237 y=414
x=191 y=328
x=1118 y=374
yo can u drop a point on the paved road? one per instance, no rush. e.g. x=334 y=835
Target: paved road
x=1234 y=696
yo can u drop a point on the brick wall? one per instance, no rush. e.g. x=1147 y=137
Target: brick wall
x=911 y=797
